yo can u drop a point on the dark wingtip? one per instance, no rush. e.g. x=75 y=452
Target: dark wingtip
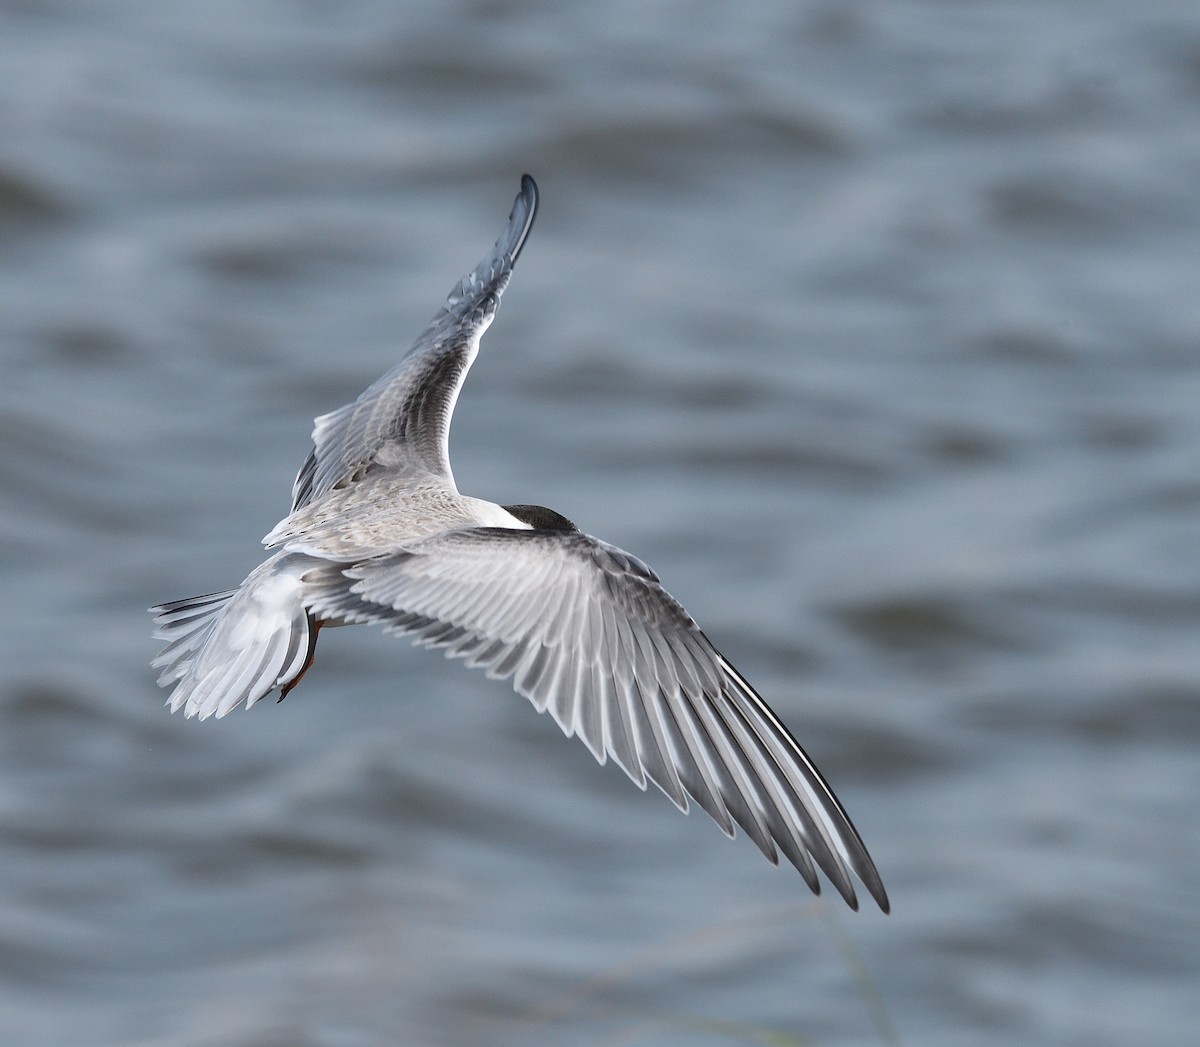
x=521 y=217
x=862 y=864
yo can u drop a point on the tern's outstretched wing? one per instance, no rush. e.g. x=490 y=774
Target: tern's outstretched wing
x=402 y=421
x=587 y=632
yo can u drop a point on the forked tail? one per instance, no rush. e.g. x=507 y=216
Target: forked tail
x=238 y=646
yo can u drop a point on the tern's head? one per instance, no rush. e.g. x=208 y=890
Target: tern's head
x=540 y=518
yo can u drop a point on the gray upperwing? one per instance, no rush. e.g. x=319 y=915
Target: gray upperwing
x=587 y=633
x=402 y=421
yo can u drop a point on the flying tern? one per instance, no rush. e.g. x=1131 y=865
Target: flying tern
x=379 y=533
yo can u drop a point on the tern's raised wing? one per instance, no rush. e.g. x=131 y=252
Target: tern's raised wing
x=402 y=421
x=588 y=633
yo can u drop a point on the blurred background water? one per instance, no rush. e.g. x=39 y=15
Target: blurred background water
x=871 y=325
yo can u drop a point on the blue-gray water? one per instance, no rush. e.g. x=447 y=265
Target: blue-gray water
x=871 y=325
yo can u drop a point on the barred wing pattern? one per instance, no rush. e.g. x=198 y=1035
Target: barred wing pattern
x=587 y=633
x=402 y=421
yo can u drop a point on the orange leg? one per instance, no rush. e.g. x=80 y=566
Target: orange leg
x=315 y=627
